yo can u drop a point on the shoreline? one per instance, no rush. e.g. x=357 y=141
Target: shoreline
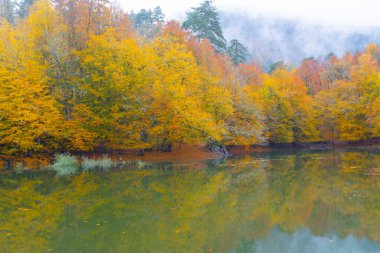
x=188 y=153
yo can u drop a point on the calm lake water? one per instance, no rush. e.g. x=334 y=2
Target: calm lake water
x=273 y=202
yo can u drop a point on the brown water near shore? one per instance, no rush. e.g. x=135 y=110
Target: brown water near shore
x=185 y=154
x=188 y=153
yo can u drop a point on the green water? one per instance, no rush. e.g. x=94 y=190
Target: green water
x=269 y=202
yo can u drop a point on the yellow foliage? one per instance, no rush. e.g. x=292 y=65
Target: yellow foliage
x=289 y=115
x=177 y=112
x=29 y=116
x=76 y=77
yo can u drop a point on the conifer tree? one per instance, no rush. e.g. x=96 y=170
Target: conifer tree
x=237 y=52
x=204 y=22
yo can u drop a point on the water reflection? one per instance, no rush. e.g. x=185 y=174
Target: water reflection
x=304 y=241
x=269 y=202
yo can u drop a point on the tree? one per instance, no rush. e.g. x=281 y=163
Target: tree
x=23 y=8
x=246 y=124
x=121 y=21
x=351 y=122
x=309 y=71
x=333 y=70
x=373 y=119
x=7 y=9
x=47 y=30
x=204 y=22
x=30 y=120
x=158 y=16
x=84 y=17
x=250 y=74
x=148 y=23
x=288 y=110
x=277 y=66
x=348 y=110
x=115 y=89
x=177 y=111
x=237 y=52
x=174 y=29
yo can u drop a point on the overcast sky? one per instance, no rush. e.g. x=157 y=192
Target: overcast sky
x=337 y=12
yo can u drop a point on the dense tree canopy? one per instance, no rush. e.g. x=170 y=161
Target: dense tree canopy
x=76 y=75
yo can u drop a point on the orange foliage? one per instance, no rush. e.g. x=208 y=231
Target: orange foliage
x=75 y=75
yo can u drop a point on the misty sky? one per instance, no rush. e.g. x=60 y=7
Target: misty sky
x=337 y=12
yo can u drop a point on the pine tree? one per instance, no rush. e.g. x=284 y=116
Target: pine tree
x=24 y=6
x=204 y=22
x=7 y=8
x=237 y=52
x=148 y=22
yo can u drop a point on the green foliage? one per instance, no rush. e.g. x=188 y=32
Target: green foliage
x=65 y=165
x=237 y=52
x=204 y=22
x=148 y=22
x=7 y=10
x=276 y=66
x=24 y=6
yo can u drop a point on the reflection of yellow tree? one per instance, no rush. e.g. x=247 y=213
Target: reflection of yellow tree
x=30 y=214
x=173 y=209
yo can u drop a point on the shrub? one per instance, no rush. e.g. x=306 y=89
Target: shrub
x=140 y=164
x=91 y=164
x=65 y=164
x=105 y=163
x=20 y=168
x=88 y=164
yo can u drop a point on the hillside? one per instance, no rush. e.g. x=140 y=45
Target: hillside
x=273 y=39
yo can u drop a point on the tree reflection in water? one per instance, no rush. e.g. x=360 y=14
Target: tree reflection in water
x=268 y=202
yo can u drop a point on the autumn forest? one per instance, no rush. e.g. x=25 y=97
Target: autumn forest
x=76 y=75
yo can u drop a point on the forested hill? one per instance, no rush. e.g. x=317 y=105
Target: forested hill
x=270 y=40
x=80 y=75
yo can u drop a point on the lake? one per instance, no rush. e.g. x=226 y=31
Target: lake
x=269 y=202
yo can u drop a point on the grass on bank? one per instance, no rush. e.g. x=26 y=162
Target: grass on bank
x=103 y=164
x=65 y=165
